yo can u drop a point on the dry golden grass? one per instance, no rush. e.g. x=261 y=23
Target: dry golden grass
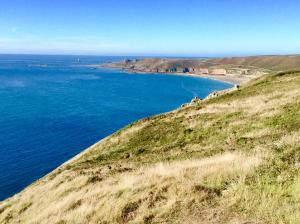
x=147 y=193
x=277 y=202
x=230 y=159
x=257 y=104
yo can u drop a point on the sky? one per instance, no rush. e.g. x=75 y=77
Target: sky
x=150 y=27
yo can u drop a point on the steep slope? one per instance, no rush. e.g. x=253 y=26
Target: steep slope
x=234 y=158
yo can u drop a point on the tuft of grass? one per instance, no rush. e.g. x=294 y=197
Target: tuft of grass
x=94 y=179
x=25 y=207
x=128 y=211
x=75 y=205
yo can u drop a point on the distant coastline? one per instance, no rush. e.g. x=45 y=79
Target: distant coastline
x=233 y=70
x=233 y=80
x=226 y=79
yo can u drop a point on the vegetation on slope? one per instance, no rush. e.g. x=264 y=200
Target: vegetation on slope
x=230 y=159
x=255 y=64
x=275 y=62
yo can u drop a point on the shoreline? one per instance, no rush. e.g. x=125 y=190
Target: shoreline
x=230 y=79
x=132 y=72
x=220 y=79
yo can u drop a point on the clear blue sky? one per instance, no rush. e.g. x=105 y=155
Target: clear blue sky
x=150 y=27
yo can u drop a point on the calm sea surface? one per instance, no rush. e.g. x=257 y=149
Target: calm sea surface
x=53 y=107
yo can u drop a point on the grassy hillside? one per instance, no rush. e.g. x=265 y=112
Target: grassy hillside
x=275 y=63
x=163 y=64
x=234 y=158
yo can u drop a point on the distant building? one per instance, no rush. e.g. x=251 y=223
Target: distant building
x=239 y=71
x=203 y=71
x=219 y=72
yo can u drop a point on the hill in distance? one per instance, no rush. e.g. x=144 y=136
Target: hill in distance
x=274 y=63
x=239 y=68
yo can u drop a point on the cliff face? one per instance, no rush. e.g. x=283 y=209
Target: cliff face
x=232 y=158
x=246 y=66
x=166 y=65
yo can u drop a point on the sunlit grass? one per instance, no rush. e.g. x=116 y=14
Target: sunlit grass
x=230 y=159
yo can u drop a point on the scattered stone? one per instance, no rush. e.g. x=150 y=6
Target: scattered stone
x=213 y=95
x=219 y=72
x=196 y=100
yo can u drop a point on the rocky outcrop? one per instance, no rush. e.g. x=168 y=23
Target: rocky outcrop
x=213 y=95
x=236 y=87
x=194 y=101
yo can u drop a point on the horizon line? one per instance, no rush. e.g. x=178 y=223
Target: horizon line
x=153 y=55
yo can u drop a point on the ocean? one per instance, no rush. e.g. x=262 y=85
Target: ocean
x=53 y=107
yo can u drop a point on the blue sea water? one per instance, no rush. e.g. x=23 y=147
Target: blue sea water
x=53 y=107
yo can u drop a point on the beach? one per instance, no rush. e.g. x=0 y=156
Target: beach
x=231 y=79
